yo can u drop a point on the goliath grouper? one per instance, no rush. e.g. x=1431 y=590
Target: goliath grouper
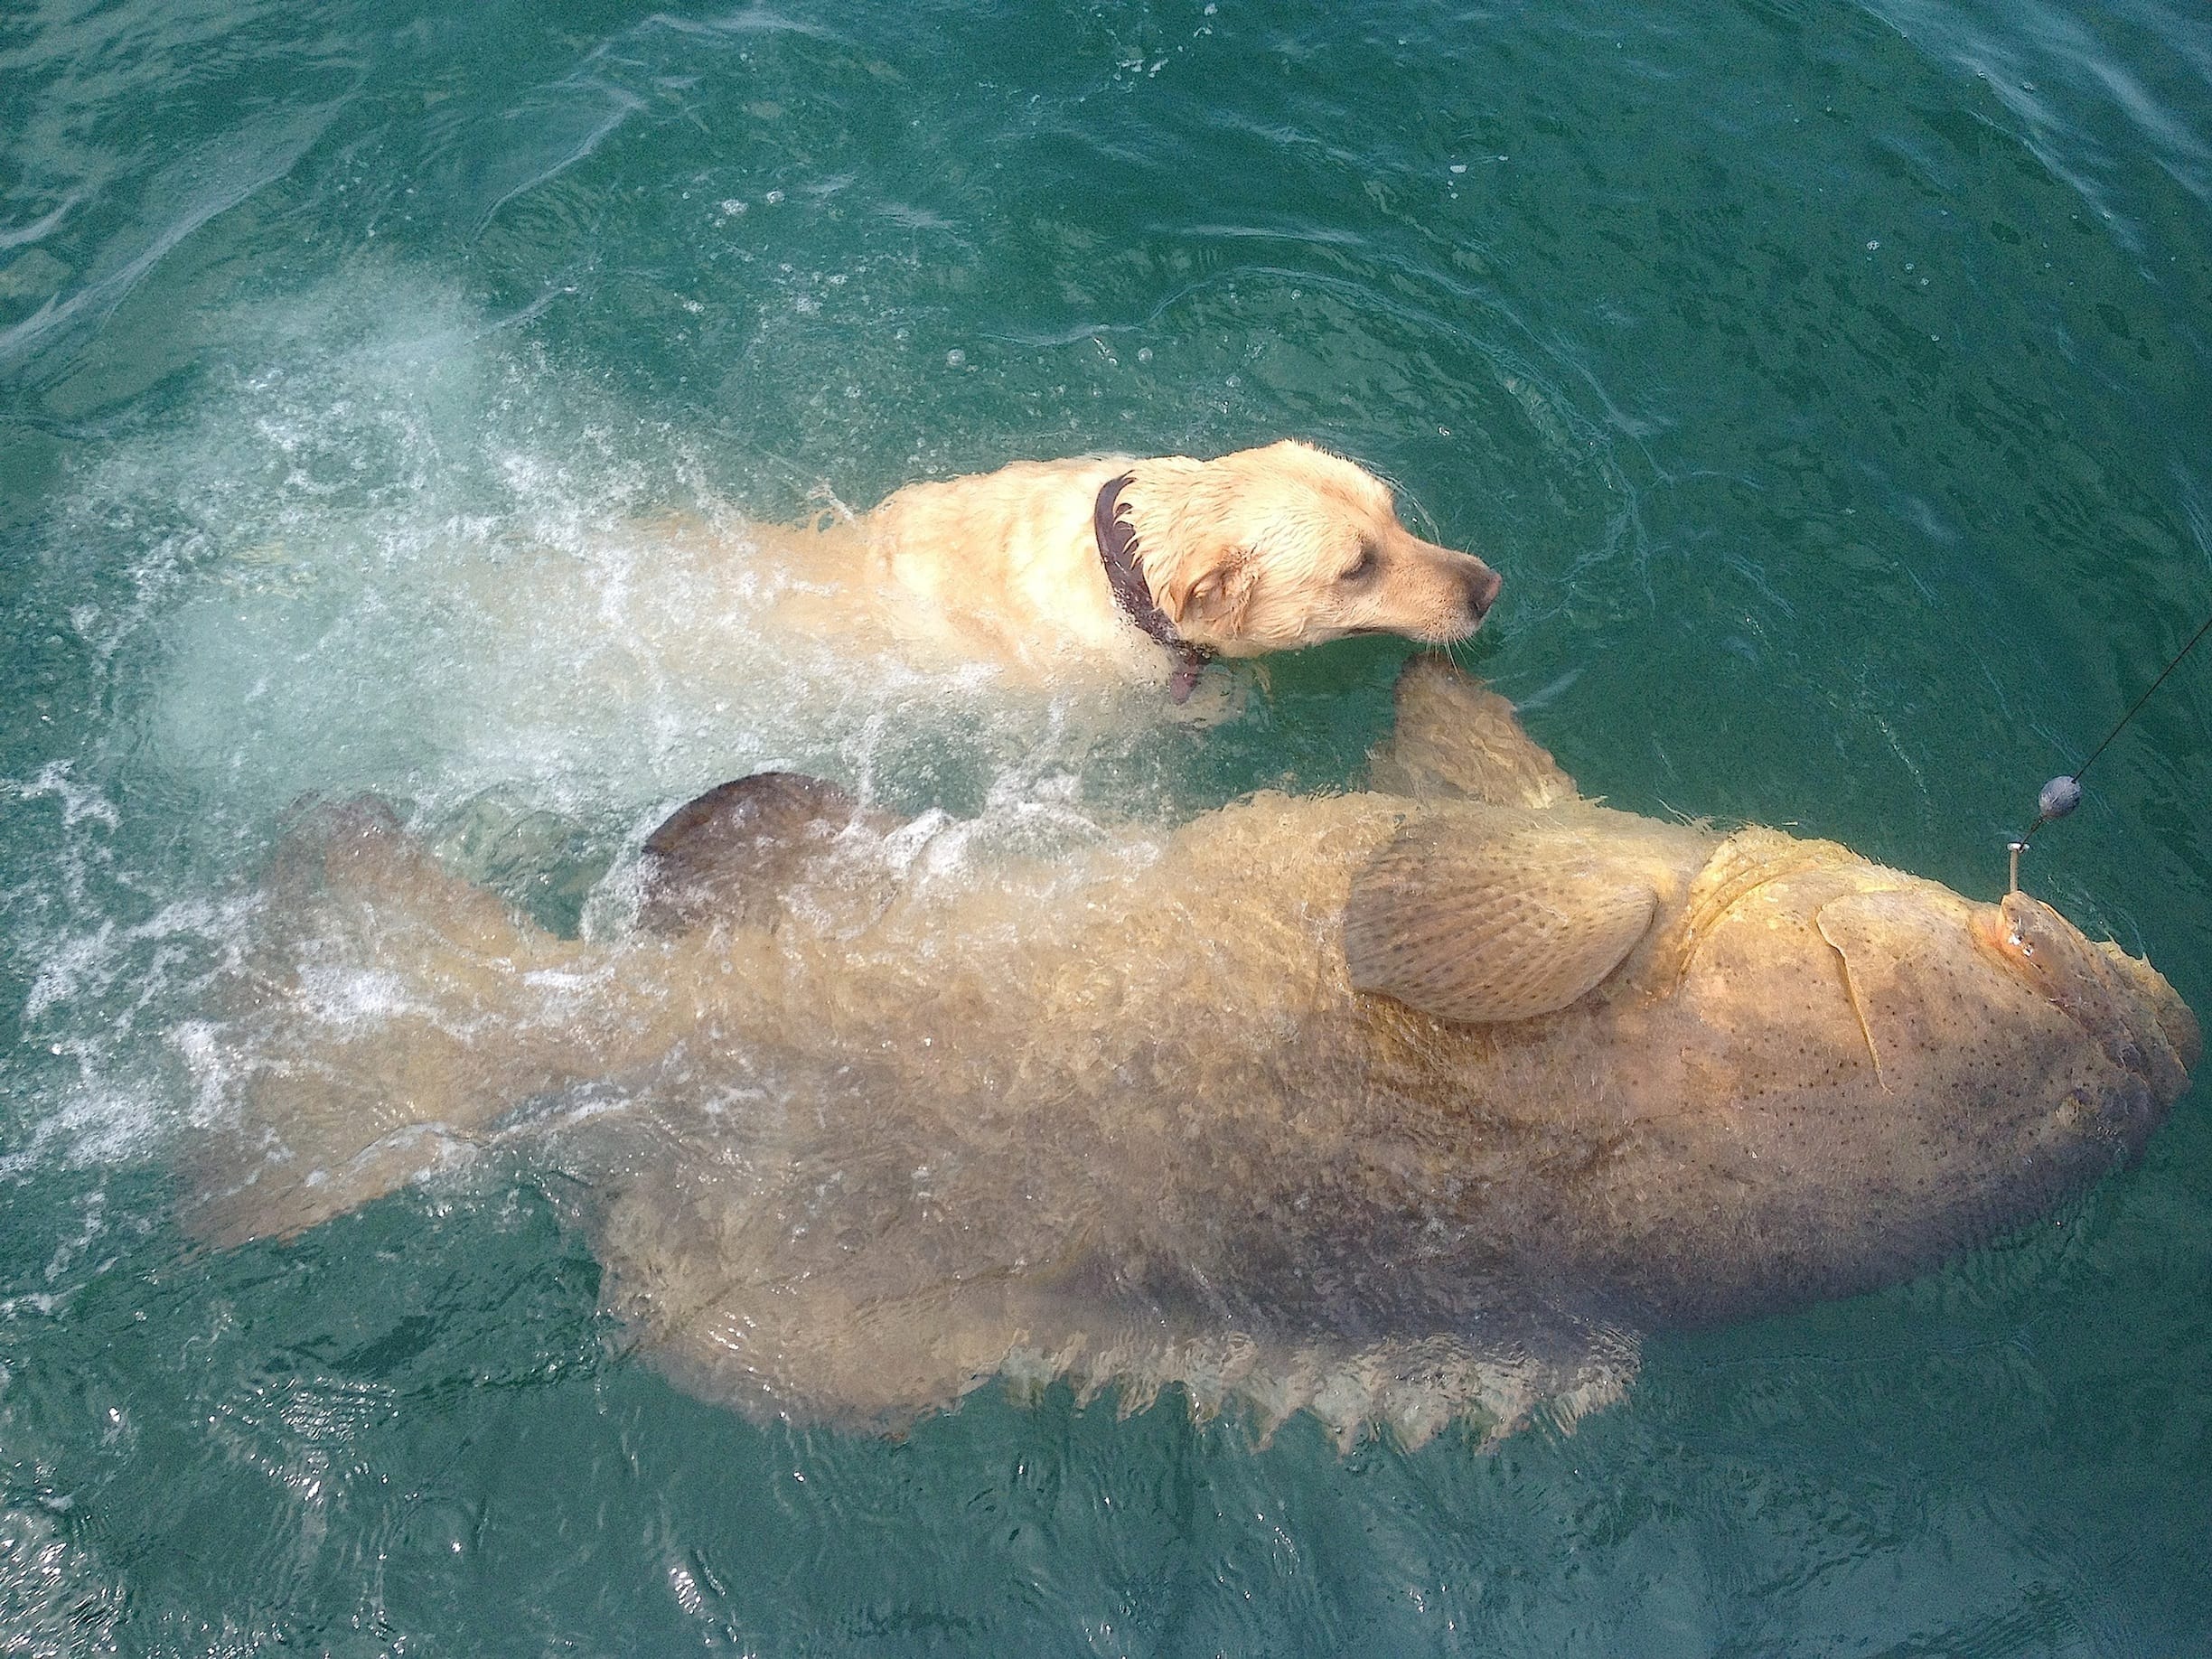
x=1394 y=1106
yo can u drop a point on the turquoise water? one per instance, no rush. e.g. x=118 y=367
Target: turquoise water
x=1829 y=382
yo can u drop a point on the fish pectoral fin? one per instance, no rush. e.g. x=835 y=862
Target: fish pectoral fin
x=731 y=853
x=1508 y=925
x=1456 y=737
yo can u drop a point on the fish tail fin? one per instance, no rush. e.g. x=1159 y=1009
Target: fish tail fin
x=366 y=1036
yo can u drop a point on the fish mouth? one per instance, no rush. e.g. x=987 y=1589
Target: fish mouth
x=2122 y=1002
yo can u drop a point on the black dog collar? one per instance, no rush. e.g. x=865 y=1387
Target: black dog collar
x=1117 y=546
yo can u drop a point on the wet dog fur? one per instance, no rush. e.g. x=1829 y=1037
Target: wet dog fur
x=1266 y=550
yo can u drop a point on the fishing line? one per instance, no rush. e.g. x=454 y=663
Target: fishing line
x=2062 y=794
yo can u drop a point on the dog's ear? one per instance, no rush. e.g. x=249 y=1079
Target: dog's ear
x=1180 y=510
x=1213 y=591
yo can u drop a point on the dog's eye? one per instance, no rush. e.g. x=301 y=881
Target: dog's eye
x=1363 y=565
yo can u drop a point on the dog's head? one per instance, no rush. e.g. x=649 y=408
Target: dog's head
x=1273 y=549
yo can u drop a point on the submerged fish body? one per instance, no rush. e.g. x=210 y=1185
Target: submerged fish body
x=1400 y=1105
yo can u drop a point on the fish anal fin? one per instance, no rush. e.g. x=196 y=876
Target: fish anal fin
x=1456 y=737
x=731 y=853
x=1499 y=926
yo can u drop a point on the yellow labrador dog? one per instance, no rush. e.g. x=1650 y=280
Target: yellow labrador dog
x=1138 y=567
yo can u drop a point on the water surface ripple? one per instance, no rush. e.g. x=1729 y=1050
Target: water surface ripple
x=1829 y=381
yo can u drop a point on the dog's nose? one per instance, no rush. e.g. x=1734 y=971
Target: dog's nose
x=1482 y=584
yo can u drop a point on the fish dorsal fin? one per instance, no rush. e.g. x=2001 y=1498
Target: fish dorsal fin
x=1456 y=736
x=731 y=853
x=1494 y=915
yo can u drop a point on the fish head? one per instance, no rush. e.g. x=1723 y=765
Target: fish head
x=2121 y=1001
x=1892 y=1073
x=2006 y=1022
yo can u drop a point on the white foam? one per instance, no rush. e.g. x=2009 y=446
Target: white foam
x=390 y=548
x=399 y=551
x=56 y=1597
